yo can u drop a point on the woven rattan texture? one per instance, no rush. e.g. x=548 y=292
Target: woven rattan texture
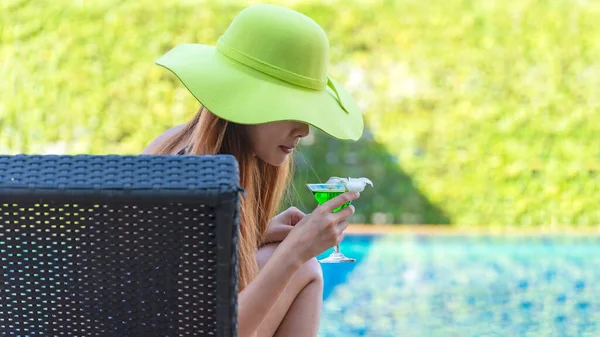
x=111 y=265
x=117 y=175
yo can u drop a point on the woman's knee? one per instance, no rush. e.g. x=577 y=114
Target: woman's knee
x=264 y=253
x=311 y=269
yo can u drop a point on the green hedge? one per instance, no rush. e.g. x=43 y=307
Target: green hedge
x=481 y=112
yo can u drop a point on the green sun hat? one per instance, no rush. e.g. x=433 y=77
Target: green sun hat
x=269 y=65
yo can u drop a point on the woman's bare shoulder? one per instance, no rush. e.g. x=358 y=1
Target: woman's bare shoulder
x=162 y=138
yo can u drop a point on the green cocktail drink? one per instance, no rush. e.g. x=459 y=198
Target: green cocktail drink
x=331 y=189
x=325 y=192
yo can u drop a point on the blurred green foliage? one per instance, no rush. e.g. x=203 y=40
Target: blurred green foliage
x=490 y=107
x=394 y=198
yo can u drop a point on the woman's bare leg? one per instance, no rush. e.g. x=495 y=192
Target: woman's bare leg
x=302 y=319
x=298 y=310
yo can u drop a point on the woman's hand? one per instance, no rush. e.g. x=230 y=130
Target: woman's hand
x=320 y=230
x=281 y=225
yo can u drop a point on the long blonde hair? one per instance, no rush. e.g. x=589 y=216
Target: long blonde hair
x=207 y=134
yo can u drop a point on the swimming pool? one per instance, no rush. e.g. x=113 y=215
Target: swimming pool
x=411 y=285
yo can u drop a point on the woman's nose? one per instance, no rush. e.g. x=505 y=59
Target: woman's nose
x=302 y=130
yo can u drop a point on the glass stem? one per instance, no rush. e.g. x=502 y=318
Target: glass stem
x=336 y=248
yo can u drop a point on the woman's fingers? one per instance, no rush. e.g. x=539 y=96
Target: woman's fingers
x=339 y=201
x=339 y=239
x=344 y=214
x=294 y=216
x=341 y=226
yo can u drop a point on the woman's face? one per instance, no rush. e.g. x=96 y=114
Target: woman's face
x=273 y=142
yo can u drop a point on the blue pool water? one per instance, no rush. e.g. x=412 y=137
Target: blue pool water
x=463 y=286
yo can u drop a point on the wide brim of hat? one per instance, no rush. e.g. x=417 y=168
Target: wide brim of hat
x=242 y=95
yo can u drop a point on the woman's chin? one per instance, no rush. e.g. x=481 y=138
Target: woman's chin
x=278 y=161
x=275 y=160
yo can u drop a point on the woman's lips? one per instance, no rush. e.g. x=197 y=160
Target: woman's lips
x=286 y=149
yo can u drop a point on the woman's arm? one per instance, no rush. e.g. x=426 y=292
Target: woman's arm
x=257 y=299
x=314 y=234
x=156 y=143
x=281 y=225
x=277 y=233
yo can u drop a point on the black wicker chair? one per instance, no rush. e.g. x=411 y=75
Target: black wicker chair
x=118 y=245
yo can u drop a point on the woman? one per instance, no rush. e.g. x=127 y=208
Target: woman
x=260 y=88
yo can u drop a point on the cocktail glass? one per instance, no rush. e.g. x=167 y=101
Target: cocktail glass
x=324 y=193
